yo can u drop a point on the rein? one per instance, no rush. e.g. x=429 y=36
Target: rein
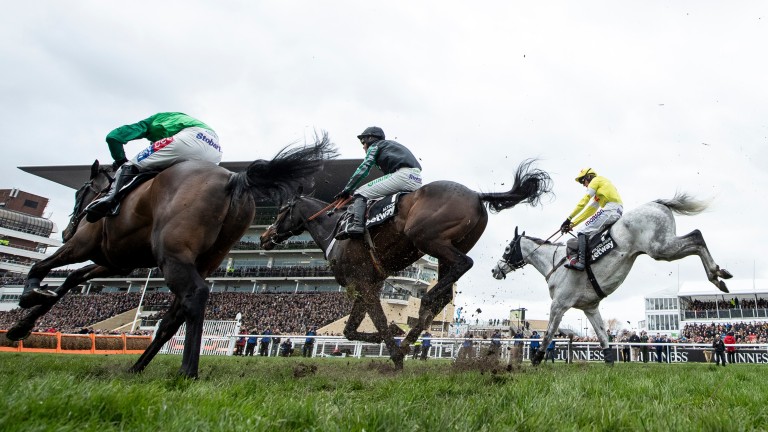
x=336 y=205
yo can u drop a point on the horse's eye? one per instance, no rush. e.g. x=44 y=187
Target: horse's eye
x=508 y=249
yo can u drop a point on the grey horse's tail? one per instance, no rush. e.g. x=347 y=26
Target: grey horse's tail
x=684 y=204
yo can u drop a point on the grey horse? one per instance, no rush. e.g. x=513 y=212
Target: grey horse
x=648 y=229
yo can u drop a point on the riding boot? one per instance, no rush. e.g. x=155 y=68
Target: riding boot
x=582 y=257
x=354 y=225
x=100 y=207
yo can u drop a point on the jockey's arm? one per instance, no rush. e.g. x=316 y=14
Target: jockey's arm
x=362 y=171
x=591 y=208
x=120 y=136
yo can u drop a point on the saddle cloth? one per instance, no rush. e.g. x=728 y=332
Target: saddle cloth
x=599 y=245
x=382 y=209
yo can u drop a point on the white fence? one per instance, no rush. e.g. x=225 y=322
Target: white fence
x=217 y=339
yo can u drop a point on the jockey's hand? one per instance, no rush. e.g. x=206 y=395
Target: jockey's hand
x=118 y=163
x=566 y=226
x=341 y=196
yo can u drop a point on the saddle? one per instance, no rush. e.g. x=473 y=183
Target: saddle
x=135 y=182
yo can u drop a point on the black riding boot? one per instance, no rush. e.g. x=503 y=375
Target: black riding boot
x=354 y=225
x=582 y=257
x=100 y=207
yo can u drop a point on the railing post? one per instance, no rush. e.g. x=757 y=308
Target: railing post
x=125 y=343
x=58 y=342
x=92 y=337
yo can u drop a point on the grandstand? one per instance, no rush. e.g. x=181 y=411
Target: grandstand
x=699 y=303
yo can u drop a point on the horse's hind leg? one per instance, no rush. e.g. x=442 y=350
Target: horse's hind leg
x=168 y=327
x=25 y=325
x=693 y=244
x=452 y=265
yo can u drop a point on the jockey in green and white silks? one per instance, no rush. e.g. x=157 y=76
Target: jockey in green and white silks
x=402 y=172
x=601 y=206
x=173 y=136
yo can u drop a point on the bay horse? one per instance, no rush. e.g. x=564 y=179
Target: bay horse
x=442 y=219
x=648 y=229
x=184 y=221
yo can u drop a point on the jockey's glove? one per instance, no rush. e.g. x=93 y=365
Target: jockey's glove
x=342 y=195
x=118 y=163
x=566 y=226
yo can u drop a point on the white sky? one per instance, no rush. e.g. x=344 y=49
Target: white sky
x=657 y=96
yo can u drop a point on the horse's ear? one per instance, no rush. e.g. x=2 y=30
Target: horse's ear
x=515 y=232
x=95 y=168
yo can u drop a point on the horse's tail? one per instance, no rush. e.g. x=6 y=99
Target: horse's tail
x=278 y=179
x=684 y=204
x=530 y=184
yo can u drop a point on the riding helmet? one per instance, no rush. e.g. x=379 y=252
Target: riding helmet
x=583 y=173
x=373 y=131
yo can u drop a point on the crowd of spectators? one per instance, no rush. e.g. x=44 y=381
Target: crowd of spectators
x=290 y=313
x=745 y=333
x=733 y=303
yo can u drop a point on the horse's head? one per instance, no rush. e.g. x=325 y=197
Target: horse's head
x=287 y=224
x=512 y=258
x=101 y=177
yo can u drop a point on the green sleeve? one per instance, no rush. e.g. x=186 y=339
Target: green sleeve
x=120 y=136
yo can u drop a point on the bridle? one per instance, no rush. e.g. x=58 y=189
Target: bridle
x=288 y=208
x=78 y=209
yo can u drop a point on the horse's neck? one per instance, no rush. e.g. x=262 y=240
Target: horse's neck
x=542 y=257
x=321 y=226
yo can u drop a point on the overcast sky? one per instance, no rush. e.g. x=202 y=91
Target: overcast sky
x=657 y=96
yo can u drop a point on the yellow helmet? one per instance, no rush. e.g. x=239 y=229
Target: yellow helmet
x=583 y=173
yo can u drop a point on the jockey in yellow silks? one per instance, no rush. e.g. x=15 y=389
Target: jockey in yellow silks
x=600 y=207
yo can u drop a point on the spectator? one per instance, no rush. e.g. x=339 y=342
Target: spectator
x=286 y=348
x=309 y=342
x=730 y=350
x=264 y=344
x=634 y=339
x=644 y=347
x=535 y=344
x=416 y=349
x=550 y=352
x=659 y=340
x=426 y=343
x=250 y=345
x=240 y=345
x=719 y=348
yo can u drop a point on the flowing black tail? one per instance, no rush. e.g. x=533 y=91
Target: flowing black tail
x=530 y=184
x=279 y=178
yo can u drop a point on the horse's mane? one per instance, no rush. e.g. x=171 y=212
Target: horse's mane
x=541 y=242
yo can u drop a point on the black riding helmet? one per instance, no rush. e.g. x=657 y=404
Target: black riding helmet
x=373 y=131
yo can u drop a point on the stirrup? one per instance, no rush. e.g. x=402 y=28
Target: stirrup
x=574 y=264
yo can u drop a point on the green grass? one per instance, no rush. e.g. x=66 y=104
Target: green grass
x=42 y=392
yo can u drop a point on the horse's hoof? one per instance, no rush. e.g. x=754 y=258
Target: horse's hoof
x=724 y=274
x=722 y=287
x=19 y=332
x=36 y=297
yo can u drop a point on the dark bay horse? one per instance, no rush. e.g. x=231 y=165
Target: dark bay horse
x=442 y=219
x=184 y=221
x=648 y=229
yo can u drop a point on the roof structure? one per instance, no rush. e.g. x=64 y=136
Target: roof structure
x=327 y=182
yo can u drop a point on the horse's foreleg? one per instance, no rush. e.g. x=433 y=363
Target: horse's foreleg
x=34 y=294
x=594 y=317
x=43 y=304
x=693 y=244
x=556 y=311
x=379 y=318
x=168 y=327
